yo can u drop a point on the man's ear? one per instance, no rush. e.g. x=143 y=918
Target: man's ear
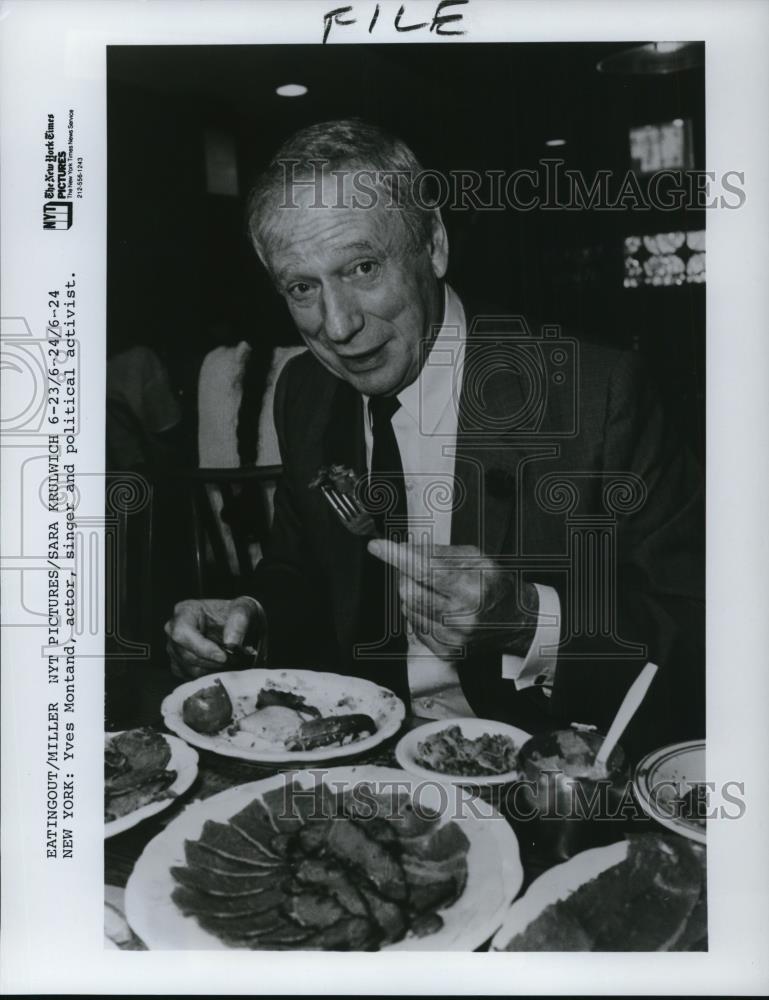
x=439 y=246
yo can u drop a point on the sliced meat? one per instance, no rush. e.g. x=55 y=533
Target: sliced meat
x=191 y=901
x=438 y=844
x=206 y=858
x=407 y=819
x=308 y=909
x=281 y=937
x=329 y=804
x=283 y=806
x=644 y=903
x=246 y=925
x=424 y=899
x=313 y=836
x=143 y=749
x=361 y=802
x=388 y=916
x=555 y=929
x=347 y=842
x=131 y=797
x=379 y=830
x=426 y=924
x=333 y=880
x=257 y=931
x=354 y=934
x=219 y=884
x=433 y=884
x=282 y=843
x=425 y=870
x=227 y=841
x=256 y=821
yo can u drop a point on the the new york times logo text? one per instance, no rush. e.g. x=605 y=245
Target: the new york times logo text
x=57 y=214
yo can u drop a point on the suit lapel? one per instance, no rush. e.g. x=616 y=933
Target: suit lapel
x=487 y=456
x=344 y=444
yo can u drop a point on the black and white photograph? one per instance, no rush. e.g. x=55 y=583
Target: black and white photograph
x=382 y=497
x=411 y=435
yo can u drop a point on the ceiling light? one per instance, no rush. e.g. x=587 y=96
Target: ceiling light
x=655 y=57
x=291 y=90
x=555 y=142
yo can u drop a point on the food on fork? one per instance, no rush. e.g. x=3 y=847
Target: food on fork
x=336 y=477
x=338 y=485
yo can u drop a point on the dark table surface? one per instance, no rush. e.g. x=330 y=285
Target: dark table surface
x=134 y=696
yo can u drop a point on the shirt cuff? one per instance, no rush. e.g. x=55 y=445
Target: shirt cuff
x=537 y=668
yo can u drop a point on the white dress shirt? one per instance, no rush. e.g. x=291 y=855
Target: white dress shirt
x=425 y=428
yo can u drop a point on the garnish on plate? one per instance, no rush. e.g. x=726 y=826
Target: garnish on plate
x=449 y=752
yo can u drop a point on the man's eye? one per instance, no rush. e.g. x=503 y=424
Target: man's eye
x=366 y=268
x=300 y=290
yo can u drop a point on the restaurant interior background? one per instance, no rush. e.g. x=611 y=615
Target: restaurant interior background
x=188 y=126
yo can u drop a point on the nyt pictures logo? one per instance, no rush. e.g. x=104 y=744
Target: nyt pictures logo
x=57 y=214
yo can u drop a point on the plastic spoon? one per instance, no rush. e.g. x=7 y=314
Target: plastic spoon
x=628 y=708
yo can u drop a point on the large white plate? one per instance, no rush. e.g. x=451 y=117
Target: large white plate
x=406 y=750
x=184 y=760
x=322 y=690
x=555 y=885
x=494 y=867
x=658 y=777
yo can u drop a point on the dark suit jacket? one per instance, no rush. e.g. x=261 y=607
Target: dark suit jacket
x=566 y=469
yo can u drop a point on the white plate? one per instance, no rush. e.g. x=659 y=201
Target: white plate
x=322 y=690
x=184 y=760
x=494 y=868
x=406 y=750
x=555 y=885
x=658 y=776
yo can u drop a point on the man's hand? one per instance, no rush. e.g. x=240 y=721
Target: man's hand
x=458 y=601
x=195 y=624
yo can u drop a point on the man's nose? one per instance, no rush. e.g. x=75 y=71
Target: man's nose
x=342 y=315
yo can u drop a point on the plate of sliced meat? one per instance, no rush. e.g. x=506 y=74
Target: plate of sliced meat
x=644 y=893
x=340 y=859
x=144 y=773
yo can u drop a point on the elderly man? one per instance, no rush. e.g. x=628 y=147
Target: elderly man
x=542 y=538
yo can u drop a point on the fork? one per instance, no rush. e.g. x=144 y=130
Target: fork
x=351 y=513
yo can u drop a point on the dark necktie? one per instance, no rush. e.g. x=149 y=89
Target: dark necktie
x=381 y=627
x=386 y=487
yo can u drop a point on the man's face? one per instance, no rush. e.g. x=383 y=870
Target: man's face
x=362 y=298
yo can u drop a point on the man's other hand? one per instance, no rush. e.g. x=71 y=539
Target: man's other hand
x=196 y=624
x=458 y=600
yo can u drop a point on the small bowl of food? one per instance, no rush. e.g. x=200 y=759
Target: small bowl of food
x=465 y=751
